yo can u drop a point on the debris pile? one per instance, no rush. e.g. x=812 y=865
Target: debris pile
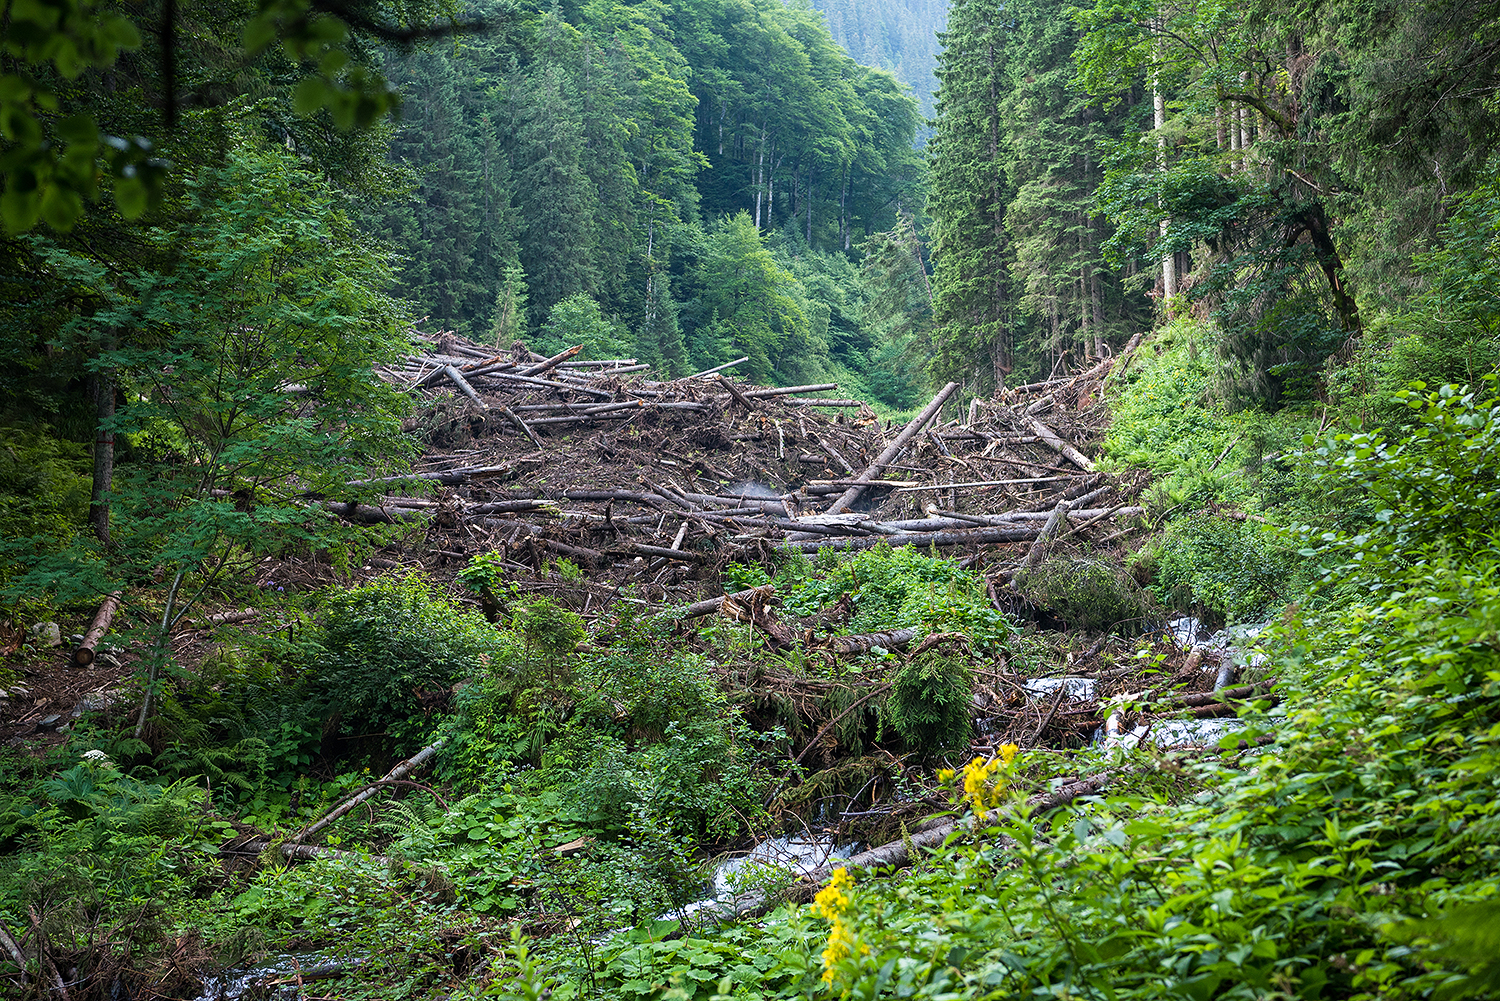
x=661 y=483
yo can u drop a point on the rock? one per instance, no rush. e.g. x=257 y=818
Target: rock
x=48 y=723
x=47 y=634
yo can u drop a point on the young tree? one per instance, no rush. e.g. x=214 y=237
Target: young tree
x=250 y=388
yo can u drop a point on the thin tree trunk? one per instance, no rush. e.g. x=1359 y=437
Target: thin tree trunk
x=104 y=452
x=809 y=206
x=1169 y=261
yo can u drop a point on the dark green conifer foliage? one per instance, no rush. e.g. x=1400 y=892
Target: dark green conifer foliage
x=974 y=307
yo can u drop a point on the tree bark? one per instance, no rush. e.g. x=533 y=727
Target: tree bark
x=848 y=497
x=83 y=656
x=104 y=453
x=1059 y=446
x=401 y=770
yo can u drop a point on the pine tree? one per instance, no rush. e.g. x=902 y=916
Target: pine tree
x=974 y=308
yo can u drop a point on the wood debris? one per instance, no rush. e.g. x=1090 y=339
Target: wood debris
x=661 y=483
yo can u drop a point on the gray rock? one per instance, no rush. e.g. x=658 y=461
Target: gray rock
x=47 y=634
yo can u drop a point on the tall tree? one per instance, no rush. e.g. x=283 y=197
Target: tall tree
x=974 y=308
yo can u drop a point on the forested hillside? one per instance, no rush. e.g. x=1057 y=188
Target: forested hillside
x=597 y=177
x=504 y=501
x=900 y=37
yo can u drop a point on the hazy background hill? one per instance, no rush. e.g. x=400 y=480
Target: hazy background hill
x=896 y=35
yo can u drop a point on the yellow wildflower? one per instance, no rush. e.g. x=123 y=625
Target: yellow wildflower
x=831 y=903
x=980 y=789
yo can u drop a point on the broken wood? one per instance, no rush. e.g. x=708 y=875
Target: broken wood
x=1067 y=451
x=719 y=368
x=83 y=655
x=521 y=425
x=707 y=607
x=1034 y=555
x=401 y=770
x=670 y=554
x=738 y=396
x=894 y=639
x=877 y=690
x=552 y=362
x=457 y=378
x=848 y=497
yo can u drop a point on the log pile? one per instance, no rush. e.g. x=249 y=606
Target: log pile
x=660 y=483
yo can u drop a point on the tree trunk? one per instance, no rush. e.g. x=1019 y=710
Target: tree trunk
x=83 y=656
x=889 y=455
x=1168 y=261
x=401 y=770
x=104 y=452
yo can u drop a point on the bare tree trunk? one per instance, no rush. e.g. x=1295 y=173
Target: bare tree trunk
x=1169 y=261
x=104 y=452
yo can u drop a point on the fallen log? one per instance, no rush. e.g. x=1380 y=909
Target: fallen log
x=521 y=425
x=1059 y=446
x=848 y=497
x=401 y=770
x=719 y=368
x=670 y=554
x=896 y=854
x=447 y=477
x=457 y=378
x=971 y=537
x=978 y=483
x=609 y=363
x=371 y=515
x=651 y=500
x=501 y=507
x=735 y=394
x=1057 y=519
x=761 y=394
x=894 y=639
x=552 y=362
x=592 y=556
x=552 y=384
x=698 y=609
x=83 y=655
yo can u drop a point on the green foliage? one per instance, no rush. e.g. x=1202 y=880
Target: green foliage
x=1234 y=571
x=577 y=320
x=930 y=701
x=1392 y=504
x=1449 y=333
x=1169 y=418
x=1354 y=858
x=889 y=589
x=44 y=486
x=1089 y=593
x=389 y=654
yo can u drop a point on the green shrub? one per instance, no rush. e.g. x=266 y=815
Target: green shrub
x=1087 y=593
x=930 y=700
x=1233 y=571
x=890 y=589
x=389 y=654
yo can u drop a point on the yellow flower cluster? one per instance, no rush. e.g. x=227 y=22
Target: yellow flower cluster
x=831 y=903
x=833 y=899
x=980 y=791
